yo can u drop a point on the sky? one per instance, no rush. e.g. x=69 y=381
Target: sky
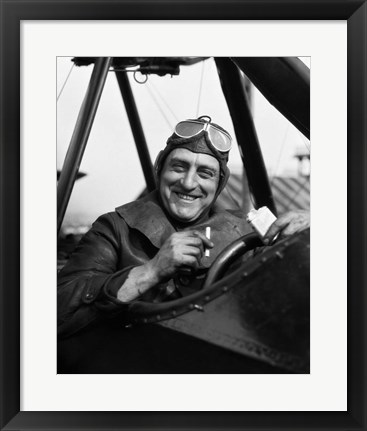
x=114 y=175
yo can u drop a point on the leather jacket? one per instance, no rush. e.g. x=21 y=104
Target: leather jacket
x=119 y=241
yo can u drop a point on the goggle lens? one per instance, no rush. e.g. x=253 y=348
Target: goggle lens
x=219 y=139
x=187 y=130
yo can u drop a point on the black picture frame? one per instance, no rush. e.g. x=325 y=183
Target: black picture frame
x=12 y=13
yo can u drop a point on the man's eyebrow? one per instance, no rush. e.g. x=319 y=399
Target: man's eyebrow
x=178 y=160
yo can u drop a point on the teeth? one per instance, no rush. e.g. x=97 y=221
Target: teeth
x=185 y=197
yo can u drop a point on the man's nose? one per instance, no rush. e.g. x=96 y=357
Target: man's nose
x=189 y=181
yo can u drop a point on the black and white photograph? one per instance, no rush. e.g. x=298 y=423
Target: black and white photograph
x=183 y=215
x=191 y=265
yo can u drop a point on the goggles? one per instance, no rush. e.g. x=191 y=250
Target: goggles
x=220 y=139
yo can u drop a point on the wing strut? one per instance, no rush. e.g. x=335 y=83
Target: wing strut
x=80 y=136
x=285 y=82
x=248 y=143
x=136 y=128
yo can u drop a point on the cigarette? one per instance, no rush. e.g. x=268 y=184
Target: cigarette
x=207 y=234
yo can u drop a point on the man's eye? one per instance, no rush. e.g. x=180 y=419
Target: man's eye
x=206 y=174
x=178 y=168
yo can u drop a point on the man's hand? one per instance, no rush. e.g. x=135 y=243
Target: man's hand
x=181 y=249
x=287 y=225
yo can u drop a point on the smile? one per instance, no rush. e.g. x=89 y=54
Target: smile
x=187 y=198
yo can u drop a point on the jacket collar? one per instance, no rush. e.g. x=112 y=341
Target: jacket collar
x=147 y=216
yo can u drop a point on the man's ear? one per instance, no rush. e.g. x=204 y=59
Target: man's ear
x=223 y=180
x=158 y=165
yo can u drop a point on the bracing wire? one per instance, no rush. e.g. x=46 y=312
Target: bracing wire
x=66 y=80
x=200 y=88
x=163 y=100
x=306 y=143
x=159 y=107
x=280 y=155
x=282 y=148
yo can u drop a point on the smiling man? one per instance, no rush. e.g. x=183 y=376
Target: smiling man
x=188 y=184
x=153 y=248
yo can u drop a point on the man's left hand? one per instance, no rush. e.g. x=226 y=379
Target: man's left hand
x=287 y=225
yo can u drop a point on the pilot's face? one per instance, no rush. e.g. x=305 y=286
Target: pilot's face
x=188 y=183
